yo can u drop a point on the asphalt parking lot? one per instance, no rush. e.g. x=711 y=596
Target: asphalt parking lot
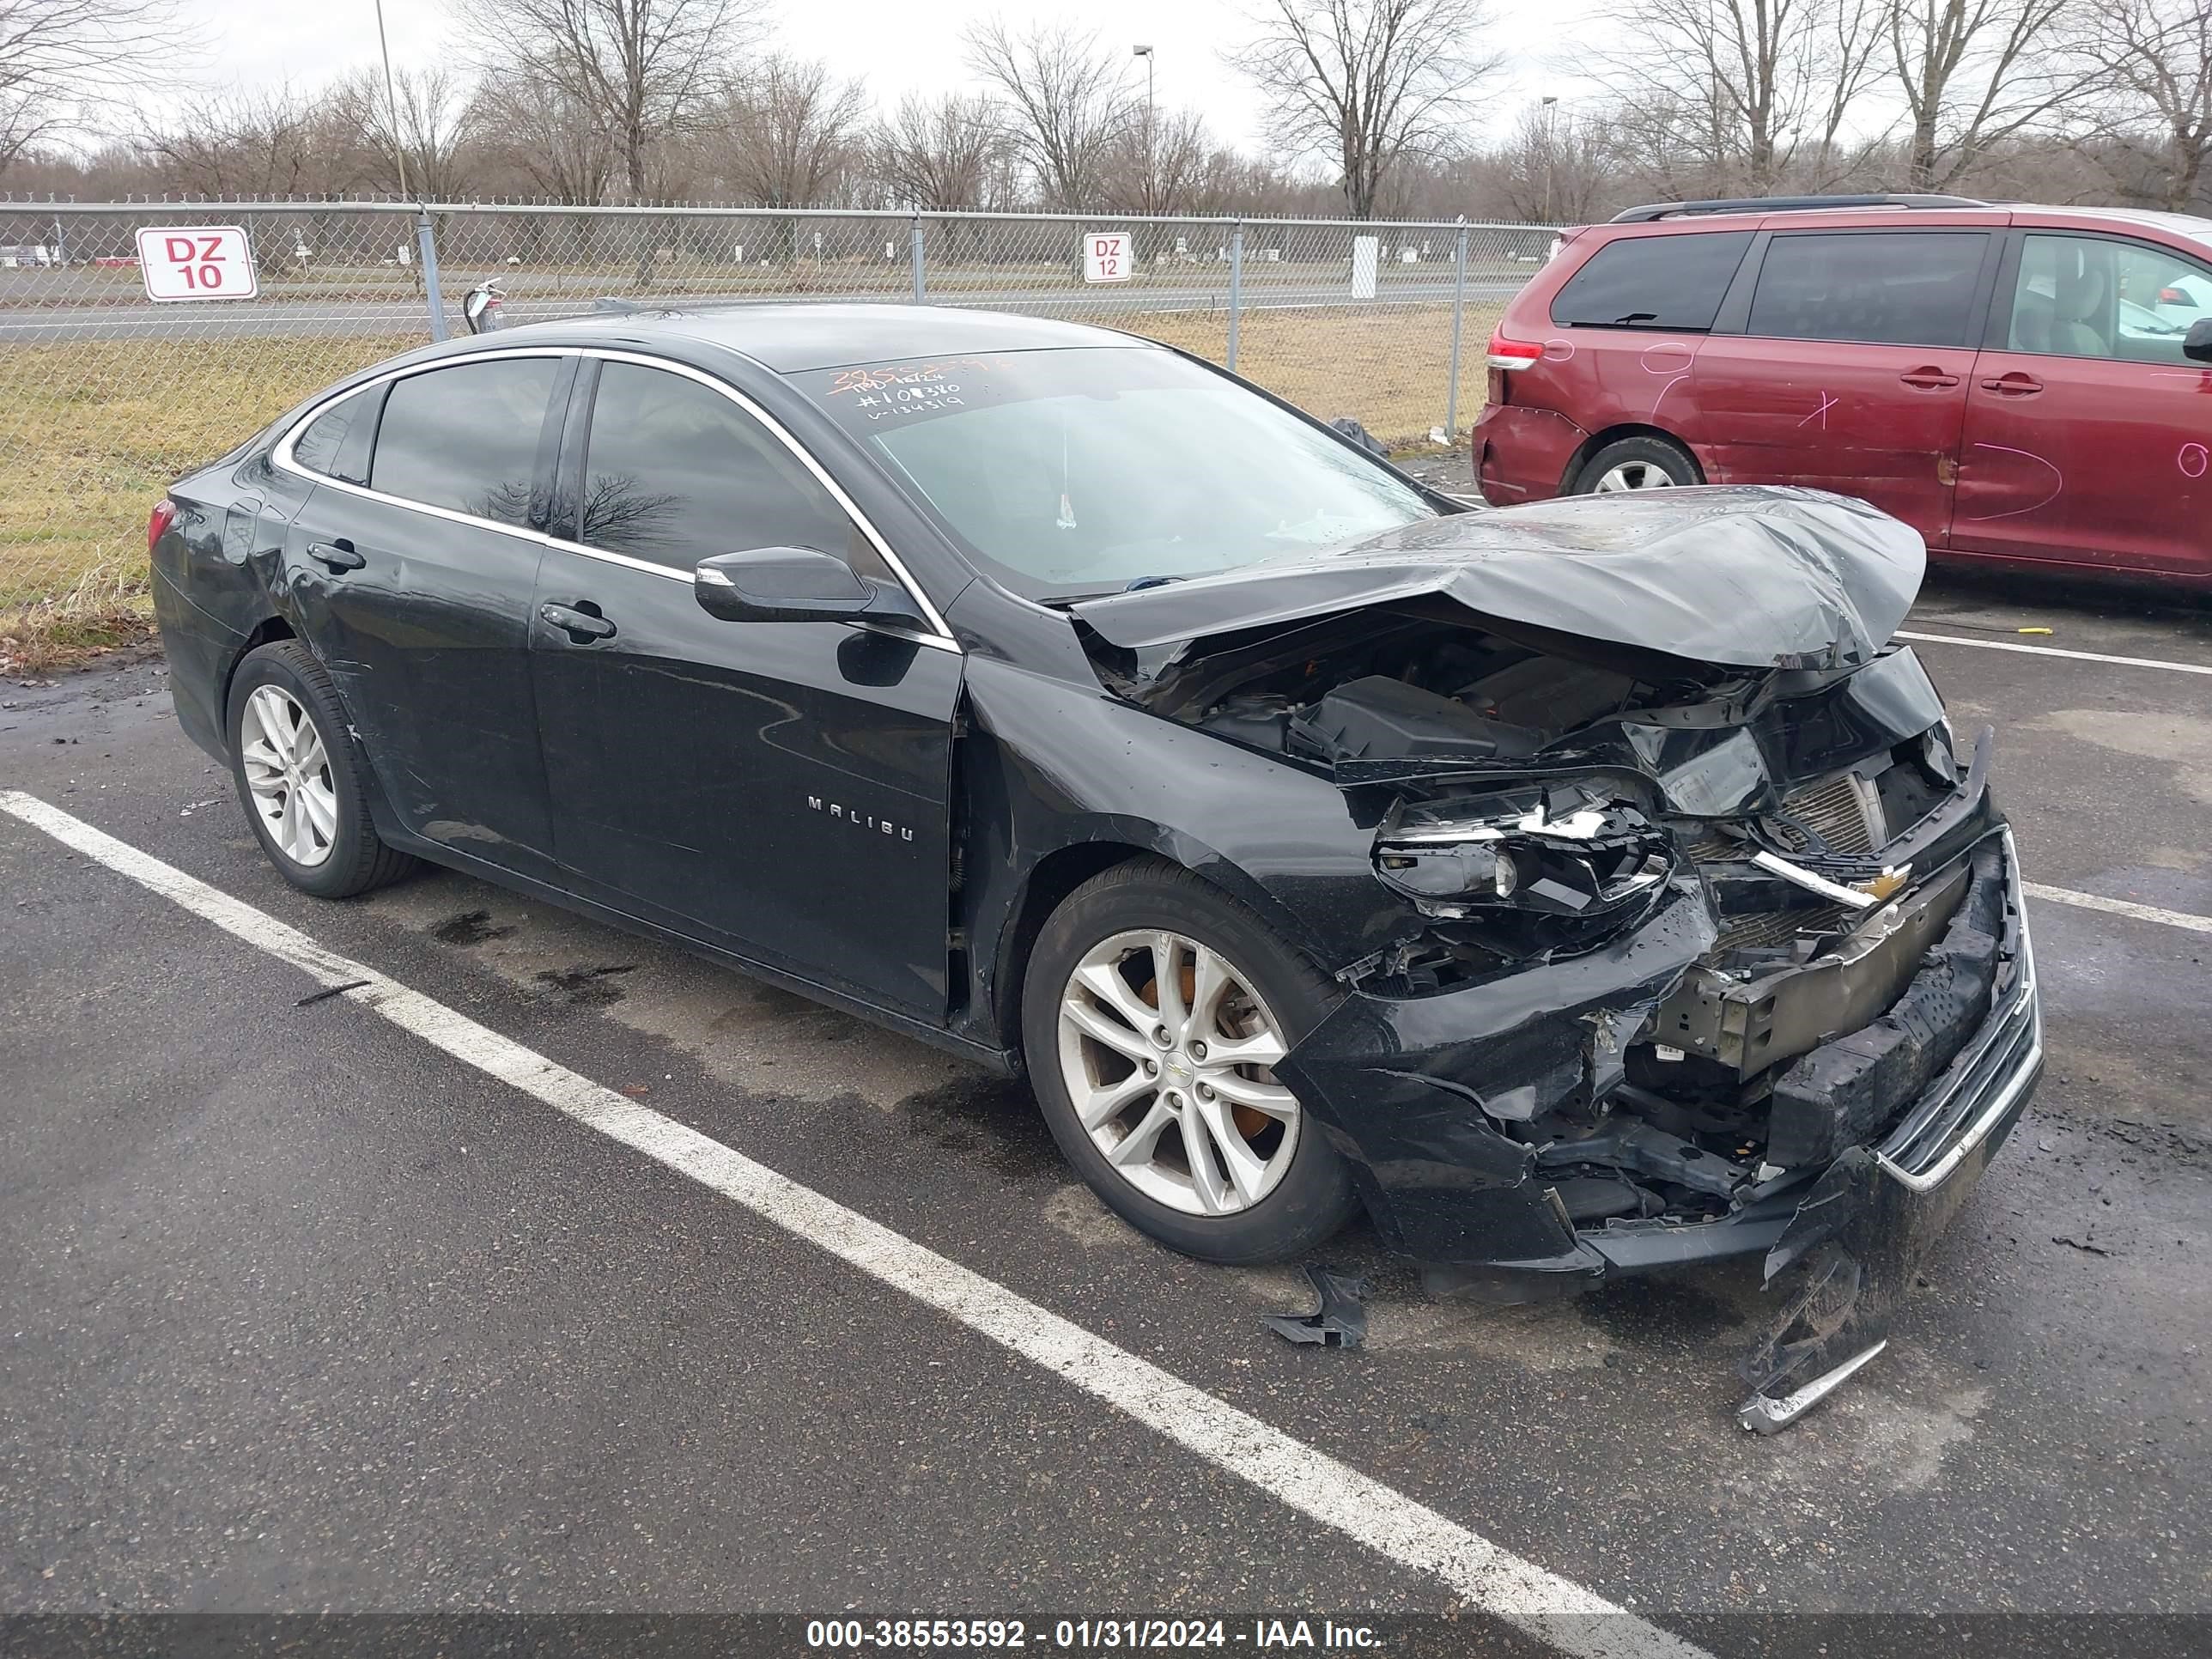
x=302 y=1311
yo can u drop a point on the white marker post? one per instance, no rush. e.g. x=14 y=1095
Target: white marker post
x=1106 y=256
x=197 y=262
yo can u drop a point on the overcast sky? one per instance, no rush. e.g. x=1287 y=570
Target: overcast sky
x=894 y=45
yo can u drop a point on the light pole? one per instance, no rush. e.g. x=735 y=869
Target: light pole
x=1551 y=150
x=1145 y=53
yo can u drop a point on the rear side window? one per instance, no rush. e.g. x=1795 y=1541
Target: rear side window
x=1653 y=282
x=1903 y=287
x=675 y=472
x=336 y=442
x=465 y=438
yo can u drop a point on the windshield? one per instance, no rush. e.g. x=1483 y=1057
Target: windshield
x=1079 y=471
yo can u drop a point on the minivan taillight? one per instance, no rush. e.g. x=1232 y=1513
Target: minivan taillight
x=1513 y=354
x=158 y=520
x=2172 y=296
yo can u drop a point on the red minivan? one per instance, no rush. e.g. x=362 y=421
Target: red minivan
x=2021 y=385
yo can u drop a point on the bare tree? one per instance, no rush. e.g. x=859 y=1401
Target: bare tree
x=1555 y=166
x=538 y=134
x=59 y=57
x=1973 y=74
x=789 y=135
x=428 y=130
x=1743 y=91
x=1067 y=96
x=2154 y=63
x=647 y=70
x=274 y=142
x=942 y=152
x=1368 y=83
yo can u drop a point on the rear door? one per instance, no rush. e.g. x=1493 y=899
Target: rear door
x=1850 y=370
x=411 y=566
x=780 y=788
x=1633 y=320
x=2088 y=434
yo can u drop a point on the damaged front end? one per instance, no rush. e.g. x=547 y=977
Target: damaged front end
x=1694 y=956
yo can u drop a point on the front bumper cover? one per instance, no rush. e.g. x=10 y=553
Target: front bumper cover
x=1398 y=1084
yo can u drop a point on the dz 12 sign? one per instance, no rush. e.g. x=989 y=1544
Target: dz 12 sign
x=197 y=262
x=1106 y=256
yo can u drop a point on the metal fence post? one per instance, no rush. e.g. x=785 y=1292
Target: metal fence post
x=920 y=279
x=1459 y=314
x=426 y=238
x=1236 y=288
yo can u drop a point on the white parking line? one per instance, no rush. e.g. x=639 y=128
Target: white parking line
x=2055 y=651
x=2117 y=907
x=1486 y=1576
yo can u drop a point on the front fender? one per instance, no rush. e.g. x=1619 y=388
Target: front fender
x=1047 y=766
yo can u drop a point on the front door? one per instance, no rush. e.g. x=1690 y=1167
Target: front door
x=1852 y=370
x=2089 y=434
x=778 y=788
x=412 y=569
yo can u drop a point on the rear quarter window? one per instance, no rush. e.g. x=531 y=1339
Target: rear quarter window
x=1653 y=282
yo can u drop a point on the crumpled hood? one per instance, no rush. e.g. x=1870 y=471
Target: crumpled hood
x=1737 y=577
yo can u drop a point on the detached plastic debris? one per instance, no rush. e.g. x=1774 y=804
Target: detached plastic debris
x=1340 y=1322
x=1360 y=435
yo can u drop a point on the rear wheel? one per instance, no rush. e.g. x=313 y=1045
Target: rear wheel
x=300 y=776
x=1153 y=1013
x=1636 y=464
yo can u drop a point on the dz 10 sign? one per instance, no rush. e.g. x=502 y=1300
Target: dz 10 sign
x=1106 y=256
x=197 y=262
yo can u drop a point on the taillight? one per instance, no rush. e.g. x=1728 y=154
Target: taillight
x=2172 y=296
x=1513 y=354
x=158 y=520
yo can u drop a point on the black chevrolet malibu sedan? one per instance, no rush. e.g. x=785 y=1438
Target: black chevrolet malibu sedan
x=1580 y=888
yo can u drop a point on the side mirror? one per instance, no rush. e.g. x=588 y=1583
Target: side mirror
x=2196 y=345
x=795 y=584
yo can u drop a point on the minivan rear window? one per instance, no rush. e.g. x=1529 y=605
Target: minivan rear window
x=1653 y=282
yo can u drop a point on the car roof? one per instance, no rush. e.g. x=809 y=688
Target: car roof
x=793 y=338
x=2027 y=215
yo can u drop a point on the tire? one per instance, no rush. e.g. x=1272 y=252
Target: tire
x=1290 y=1190
x=1636 y=464
x=310 y=811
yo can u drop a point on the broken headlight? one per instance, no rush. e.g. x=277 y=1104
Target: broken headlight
x=1459 y=859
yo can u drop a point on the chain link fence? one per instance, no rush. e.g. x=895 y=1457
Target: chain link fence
x=107 y=396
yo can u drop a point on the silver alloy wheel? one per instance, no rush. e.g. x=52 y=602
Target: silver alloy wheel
x=288 y=773
x=1632 y=475
x=1168 y=1055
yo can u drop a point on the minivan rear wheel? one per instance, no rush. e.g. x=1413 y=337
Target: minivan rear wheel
x=1641 y=463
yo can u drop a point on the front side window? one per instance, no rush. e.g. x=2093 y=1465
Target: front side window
x=1879 y=288
x=2083 y=296
x=676 y=472
x=1076 y=471
x=1673 y=282
x=465 y=438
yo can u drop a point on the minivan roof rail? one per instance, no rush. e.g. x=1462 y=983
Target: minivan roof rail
x=1654 y=211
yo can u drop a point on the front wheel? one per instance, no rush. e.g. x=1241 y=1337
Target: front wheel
x=1636 y=464
x=1153 y=1013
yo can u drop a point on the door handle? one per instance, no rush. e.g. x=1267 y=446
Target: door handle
x=2015 y=385
x=1929 y=379
x=580 y=626
x=337 y=555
